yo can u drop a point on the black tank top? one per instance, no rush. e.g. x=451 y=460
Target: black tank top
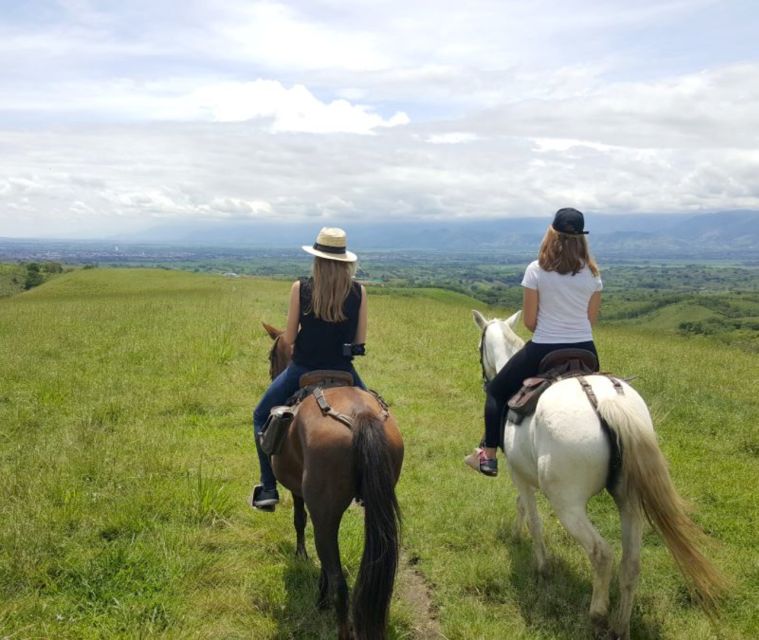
x=319 y=343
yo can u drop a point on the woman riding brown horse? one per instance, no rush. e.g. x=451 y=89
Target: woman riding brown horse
x=326 y=464
x=326 y=314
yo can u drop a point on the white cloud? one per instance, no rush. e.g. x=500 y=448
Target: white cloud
x=276 y=36
x=454 y=137
x=285 y=109
x=234 y=171
x=294 y=109
x=709 y=109
x=116 y=115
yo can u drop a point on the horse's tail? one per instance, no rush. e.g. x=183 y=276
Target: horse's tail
x=645 y=482
x=375 y=478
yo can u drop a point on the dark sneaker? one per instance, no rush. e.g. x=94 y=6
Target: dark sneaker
x=479 y=461
x=264 y=499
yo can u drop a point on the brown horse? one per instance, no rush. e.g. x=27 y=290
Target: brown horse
x=326 y=465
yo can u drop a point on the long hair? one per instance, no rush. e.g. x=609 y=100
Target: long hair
x=565 y=253
x=332 y=284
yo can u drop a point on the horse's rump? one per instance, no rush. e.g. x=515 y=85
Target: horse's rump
x=570 y=436
x=318 y=441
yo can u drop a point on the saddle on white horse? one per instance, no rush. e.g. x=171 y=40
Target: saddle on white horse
x=557 y=365
x=560 y=365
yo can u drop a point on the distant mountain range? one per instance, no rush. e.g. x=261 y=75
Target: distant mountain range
x=634 y=235
x=720 y=235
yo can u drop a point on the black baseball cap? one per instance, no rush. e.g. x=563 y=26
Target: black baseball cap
x=569 y=221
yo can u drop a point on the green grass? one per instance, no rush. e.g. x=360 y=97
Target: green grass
x=126 y=458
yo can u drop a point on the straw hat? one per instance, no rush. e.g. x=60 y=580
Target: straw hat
x=330 y=244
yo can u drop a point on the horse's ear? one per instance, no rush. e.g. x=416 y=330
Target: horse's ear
x=273 y=333
x=479 y=319
x=512 y=320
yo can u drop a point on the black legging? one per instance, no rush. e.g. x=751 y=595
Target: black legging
x=508 y=381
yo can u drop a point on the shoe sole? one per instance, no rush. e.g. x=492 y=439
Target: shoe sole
x=263 y=505
x=266 y=503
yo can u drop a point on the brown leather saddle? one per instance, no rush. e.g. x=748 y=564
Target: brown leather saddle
x=314 y=382
x=273 y=434
x=557 y=365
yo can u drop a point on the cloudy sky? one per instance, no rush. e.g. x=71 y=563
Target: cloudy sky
x=118 y=116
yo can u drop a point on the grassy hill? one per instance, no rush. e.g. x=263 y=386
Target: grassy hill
x=12 y=278
x=18 y=277
x=127 y=457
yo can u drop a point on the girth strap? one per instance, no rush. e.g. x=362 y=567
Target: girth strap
x=615 y=459
x=327 y=410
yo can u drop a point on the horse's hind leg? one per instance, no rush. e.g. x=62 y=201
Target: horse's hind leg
x=575 y=519
x=299 y=519
x=629 y=568
x=527 y=508
x=332 y=579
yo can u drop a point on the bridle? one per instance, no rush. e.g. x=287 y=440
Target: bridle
x=482 y=353
x=273 y=360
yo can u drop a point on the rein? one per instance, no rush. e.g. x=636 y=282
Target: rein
x=482 y=353
x=273 y=356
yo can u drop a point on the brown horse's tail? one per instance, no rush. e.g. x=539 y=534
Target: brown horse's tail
x=375 y=479
x=646 y=482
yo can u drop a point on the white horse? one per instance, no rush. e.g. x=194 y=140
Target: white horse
x=562 y=450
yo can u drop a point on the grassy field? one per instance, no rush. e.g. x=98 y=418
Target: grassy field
x=126 y=459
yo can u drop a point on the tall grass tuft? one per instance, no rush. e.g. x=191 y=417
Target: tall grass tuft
x=209 y=499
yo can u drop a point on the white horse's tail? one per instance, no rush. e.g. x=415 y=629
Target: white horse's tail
x=645 y=481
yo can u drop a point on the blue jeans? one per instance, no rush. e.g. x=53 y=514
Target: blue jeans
x=281 y=388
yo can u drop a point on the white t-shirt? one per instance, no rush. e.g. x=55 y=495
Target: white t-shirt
x=562 y=303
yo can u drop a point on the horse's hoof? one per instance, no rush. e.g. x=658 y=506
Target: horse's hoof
x=345 y=633
x=617 y=634
x=301 y=553
x=601 y=629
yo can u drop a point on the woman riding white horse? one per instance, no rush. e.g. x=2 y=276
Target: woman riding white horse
x=562 y=297
x=564 y=448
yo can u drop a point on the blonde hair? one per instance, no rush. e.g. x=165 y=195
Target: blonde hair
x=333 y=280
x=565 y=253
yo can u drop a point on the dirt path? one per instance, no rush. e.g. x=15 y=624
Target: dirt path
x=414 y=590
